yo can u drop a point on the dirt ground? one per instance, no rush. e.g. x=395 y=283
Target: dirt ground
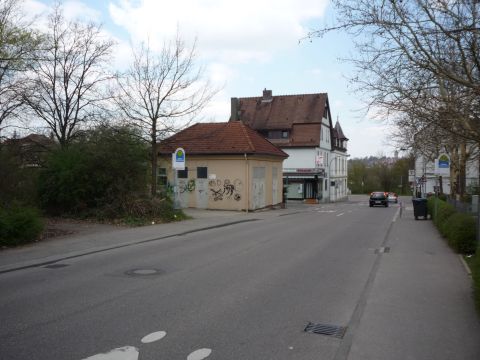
x=58 y=227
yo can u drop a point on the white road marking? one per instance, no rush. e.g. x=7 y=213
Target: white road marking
x=199 y=354
x=155 y=336
x=341 y=214
x=327 y=211
x=123 y=353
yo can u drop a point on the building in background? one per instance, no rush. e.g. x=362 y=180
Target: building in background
x=228 y=166
x=301 y=125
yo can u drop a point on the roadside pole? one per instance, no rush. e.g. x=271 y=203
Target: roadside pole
x=178 y=163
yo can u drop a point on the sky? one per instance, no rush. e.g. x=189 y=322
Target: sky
x=244 y=48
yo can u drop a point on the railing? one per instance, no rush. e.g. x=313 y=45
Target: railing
x=462 y=206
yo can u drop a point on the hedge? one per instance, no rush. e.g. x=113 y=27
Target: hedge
x=459 y=229
x=460 y=233
x=19 y=225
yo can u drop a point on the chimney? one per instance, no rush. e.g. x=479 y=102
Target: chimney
x=267 y=95
x=234 y=110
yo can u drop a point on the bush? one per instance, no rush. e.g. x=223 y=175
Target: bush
x=460 y=233
x=142 y=210
x=106 y=166
x=19 y=225
x=475 y=267
x=444 y=211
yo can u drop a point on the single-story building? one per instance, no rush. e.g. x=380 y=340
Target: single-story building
x=228 y=166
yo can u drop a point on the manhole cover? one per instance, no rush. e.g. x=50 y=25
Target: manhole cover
x=143 y=272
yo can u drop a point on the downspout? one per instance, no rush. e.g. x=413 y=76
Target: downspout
x=247 y=183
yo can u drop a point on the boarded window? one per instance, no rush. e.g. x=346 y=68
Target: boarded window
x=202 y=172
x=259 y=173
x=182 y=174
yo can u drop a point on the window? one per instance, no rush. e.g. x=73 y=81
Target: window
x=202 y=172
x=162 y=176
x=182 y=174
x=284 y=134
x=274 y=134
x=259 y=173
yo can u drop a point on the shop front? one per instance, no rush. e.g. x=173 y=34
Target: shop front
x=304 y=184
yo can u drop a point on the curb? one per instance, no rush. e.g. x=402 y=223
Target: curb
x=465 y=265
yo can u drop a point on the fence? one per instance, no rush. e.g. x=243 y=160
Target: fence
x=470 y=207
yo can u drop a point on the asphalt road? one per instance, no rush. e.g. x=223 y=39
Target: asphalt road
x=244 y=291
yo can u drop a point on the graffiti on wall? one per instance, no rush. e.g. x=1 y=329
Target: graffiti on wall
x=226 y=189
x=186 y=186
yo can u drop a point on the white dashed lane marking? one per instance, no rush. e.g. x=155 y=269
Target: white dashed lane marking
x=153 y=337
x=131 y=353
x=123 y=353
x=199 y=354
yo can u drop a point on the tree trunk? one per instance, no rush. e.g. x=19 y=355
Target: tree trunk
x=462 y=170
x=153 y=142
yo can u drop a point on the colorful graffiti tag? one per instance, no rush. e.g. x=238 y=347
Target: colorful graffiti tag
x=186 y=186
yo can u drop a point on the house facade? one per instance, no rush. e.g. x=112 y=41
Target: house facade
x=228 y=166
x=425 y=180
x=338 y=169
x=301 y=125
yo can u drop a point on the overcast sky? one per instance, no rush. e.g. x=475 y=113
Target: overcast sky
x=245 y=47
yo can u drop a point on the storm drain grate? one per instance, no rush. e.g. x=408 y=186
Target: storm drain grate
x=326 y=329
x=55 y=266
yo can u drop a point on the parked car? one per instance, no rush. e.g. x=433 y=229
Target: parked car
x=392 y=197
x=378 y=198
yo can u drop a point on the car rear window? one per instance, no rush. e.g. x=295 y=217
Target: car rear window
x=378 y=195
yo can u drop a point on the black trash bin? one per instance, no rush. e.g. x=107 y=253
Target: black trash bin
x=420 y=208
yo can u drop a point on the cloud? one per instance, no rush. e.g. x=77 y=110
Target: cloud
x=77 y=10
x=72 y=10
x=228 y=31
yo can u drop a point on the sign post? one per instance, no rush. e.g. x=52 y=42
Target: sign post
x=178 y=163
x=442 y=168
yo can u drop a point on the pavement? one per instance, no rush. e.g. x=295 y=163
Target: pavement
x=418 y=284
x=84 y=238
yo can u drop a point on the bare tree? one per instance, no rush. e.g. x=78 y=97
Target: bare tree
x=162 y=93
x=417 y=59
x=69 y=78
x=419 y=63
x=18 y=47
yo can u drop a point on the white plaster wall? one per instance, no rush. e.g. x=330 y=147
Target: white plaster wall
x=325 y=136
x=300 y=158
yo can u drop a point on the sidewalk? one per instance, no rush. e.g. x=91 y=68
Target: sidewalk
x=108 y=237
x=420 y=287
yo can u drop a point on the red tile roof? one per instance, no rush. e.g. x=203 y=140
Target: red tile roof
x=284 y=112
x=219 y=138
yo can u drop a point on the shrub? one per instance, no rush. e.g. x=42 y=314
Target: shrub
x=444 y=211
x=460 y=233
x=152 y=209
x=19 y=225
x=475 y=267
x=100 y=169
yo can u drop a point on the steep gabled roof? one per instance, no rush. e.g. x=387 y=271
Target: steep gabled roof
x=277 y=112
x=219 y=138
x=339 y=132
x=301 y=115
